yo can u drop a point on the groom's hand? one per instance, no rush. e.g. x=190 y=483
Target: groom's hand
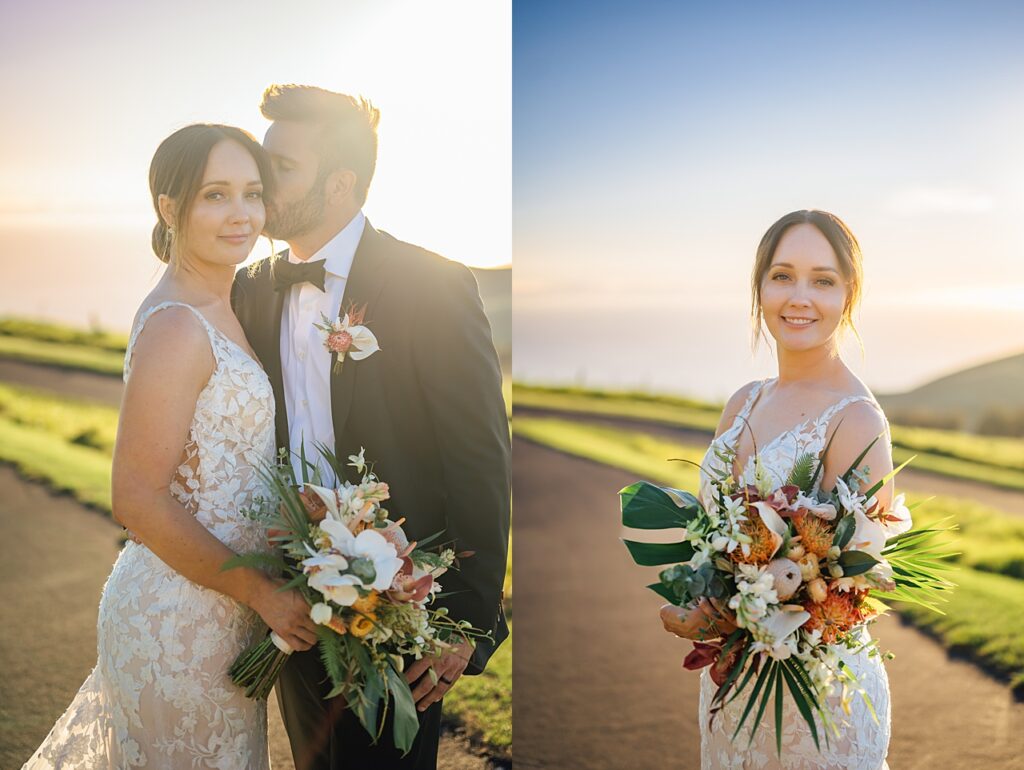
x=448 y=668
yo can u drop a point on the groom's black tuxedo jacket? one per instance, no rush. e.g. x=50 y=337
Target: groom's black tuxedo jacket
x=427 y=407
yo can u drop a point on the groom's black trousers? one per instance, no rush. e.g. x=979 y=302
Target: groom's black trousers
x=324 y=735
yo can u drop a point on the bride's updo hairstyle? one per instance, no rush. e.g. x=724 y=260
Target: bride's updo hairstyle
x=177 y=172
x=843 y=243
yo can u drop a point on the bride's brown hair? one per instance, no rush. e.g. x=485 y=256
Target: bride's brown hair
x=177 y=171
x=843 y=243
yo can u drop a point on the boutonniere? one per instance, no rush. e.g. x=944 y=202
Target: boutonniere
x=346 y=336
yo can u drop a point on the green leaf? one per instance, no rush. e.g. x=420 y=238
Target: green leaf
x=844 y=531
x=778 y=710
x=802 y=473
x=887 y=477
x=763 y=675
x=646 y=506
x=665 y=592
x=856 y=562
x=657 y=554
x=771 y=667
x=406 y=724
x=801 y=701
x=853 y=466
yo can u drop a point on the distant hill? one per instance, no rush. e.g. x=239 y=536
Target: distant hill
x=496 y=292
x=966 y=399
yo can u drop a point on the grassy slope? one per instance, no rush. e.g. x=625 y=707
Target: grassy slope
x=36 y=436
x=990 y=460
x=69 y=356
x=986 y=614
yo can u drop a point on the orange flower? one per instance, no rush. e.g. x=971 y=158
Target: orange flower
x=762 y=546
x=815 y=534
x=836 y=614
x=338 y=625
x=361 y=625
x=366 y=604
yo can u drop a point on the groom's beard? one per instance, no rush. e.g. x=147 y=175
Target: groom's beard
x=290 y=220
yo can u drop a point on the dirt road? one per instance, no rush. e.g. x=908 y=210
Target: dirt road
x=598 y=683
x=57 y=556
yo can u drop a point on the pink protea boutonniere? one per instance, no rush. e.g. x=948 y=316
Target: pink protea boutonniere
x=347 y=337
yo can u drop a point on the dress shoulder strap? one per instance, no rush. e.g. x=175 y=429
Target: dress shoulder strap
x=147 y=314
x=752 y=397
x=826 y=417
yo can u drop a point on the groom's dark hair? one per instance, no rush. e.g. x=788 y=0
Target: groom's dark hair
x=348 y=127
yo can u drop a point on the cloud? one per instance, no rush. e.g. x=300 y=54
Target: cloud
x=922 y=200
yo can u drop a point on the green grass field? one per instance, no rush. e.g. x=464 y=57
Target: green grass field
x=68 y=356
x=46 y=331
x=985 y=617
x=988 y=460
x=67 y=445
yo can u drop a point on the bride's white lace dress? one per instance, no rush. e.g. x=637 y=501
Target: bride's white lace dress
x=159 y=696
x=864 y=742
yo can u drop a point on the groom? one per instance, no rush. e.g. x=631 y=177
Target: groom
x=427 y=405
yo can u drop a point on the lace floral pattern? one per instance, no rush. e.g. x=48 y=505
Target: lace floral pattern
x=159 y=696
x=864 y=743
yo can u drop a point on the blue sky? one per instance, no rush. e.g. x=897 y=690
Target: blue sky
x=654 y=143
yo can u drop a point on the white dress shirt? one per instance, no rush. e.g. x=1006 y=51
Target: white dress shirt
x=305 y=362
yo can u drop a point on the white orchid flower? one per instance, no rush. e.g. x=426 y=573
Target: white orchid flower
x=340 y=589
x=328 y=561
x=368 y=545
x=321 y=613
x=850 y=500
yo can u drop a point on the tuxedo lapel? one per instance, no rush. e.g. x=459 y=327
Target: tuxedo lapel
x=363 y=286
x=272 y=364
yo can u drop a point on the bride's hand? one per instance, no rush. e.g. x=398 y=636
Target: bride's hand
x=287 y=614
x=701 y=622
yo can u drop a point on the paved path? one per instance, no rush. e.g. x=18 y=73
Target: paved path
x=909 y=479
x=63 y=382
x=57 y=556
x=598 y=683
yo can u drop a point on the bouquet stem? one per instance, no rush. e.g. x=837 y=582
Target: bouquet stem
x=258 y=667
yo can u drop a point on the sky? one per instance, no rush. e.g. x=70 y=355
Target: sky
x=90 y=91
x=655 y=143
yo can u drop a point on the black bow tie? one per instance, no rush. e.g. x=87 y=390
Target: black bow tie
x=288 y=273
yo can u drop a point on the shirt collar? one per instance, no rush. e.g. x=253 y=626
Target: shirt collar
x=339 y=252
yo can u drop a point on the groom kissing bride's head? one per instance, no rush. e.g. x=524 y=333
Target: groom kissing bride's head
x=323 y=147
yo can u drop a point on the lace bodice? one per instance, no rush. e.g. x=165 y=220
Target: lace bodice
x=159 y=696
x=864 y=743
x=231 y=437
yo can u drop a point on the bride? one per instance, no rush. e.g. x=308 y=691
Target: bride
x=806 y=283
x=197 y=420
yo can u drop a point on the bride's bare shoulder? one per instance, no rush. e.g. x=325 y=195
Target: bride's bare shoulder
x=733 y=406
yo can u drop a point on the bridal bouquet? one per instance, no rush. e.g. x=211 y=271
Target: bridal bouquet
x=370 y=590
x=792 y=573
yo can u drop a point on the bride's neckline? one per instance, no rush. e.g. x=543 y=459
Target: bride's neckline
x=738 y=470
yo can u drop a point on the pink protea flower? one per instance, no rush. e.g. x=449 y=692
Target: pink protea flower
x=339 y=342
